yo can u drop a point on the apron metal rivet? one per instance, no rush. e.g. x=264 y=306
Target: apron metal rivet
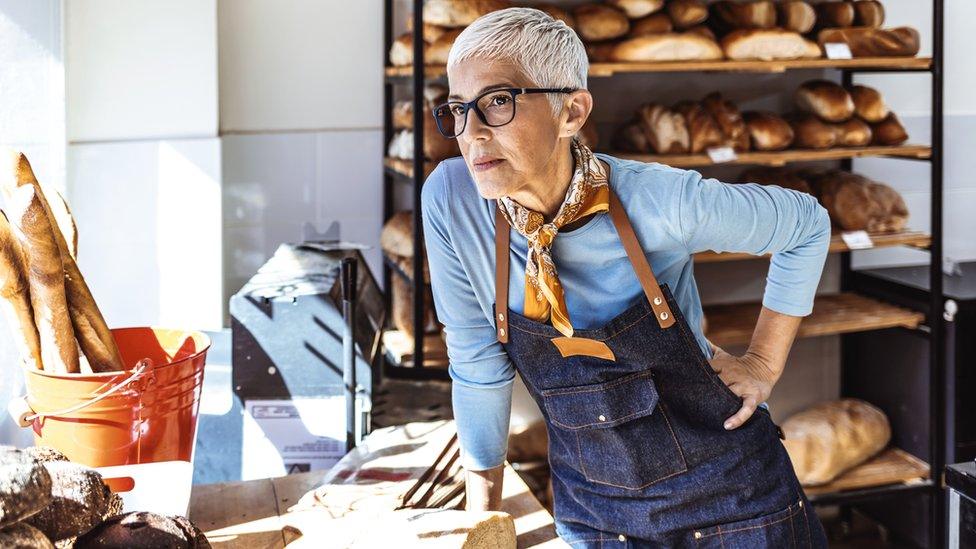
x=501 y=317
x=501 y=332
x=602 y=417
x=657 y=300
x=664 y=316
x=622 y=537
x=801 y=505
x=697 y=535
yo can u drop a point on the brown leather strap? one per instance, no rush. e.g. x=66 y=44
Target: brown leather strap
x=502 y=239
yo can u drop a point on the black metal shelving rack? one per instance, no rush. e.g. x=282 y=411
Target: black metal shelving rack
x=933 y=326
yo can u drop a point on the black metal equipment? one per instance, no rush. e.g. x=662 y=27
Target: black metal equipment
x=348 y=270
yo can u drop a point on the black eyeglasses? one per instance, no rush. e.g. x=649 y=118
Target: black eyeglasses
x=495 y=108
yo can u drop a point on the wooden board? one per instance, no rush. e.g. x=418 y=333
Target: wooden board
x=913 y=239
x=610 y=69
x=399 y=347
x=891 y=466
x=832 y=314
x=781 y=158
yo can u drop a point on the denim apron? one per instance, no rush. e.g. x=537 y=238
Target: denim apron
x=637 y=448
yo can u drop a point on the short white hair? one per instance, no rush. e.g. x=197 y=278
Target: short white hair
x=544 y=49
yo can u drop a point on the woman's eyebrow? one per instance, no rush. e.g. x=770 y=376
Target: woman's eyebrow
x=485 y=89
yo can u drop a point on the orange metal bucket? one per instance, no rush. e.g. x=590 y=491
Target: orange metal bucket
x=152 y=417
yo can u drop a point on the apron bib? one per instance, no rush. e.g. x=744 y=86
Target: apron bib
x=638 y=453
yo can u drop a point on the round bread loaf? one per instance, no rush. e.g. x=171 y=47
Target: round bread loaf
x=459 y=13
x=809 y=132
x=797 y=16
x=665 y=129
x=401 y=52
x=686 y=46
x=24 y=536
x=79 y=501
x=729 y=119
x=853 y=133
x=868 y=13
x=143 y=530
x=635 y=9
x=396 y=238
x=687 y=13
x=889 y=131
x=657 y=23
x=869 y=104
x=826 y=99
x=760 y=14
x=835 y=14
x=768 y=131
x=596 y=22
x=25 y=486
x=703 y=130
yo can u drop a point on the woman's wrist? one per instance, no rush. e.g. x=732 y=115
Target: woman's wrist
x=484 y=489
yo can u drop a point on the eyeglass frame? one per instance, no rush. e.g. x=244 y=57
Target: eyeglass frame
x=473 y=106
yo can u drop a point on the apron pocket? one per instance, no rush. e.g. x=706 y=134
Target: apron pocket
x=623 y=437
x=782 y=529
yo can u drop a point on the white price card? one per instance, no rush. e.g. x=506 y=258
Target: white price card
x=838 y=50
x=857 y=240
x=720 y=155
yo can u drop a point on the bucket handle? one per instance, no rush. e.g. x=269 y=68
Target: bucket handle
x=25 y=416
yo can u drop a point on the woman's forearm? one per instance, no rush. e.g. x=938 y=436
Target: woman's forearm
x=772 y=340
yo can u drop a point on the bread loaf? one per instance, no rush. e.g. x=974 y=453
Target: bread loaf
x=430 y=32
x=703 y=130
x=895 y=212
x=760 y=14
x=729 y=119
x=631 y=138
x=403 y=115
x=635 y=9
x=868 y=13
x=686 y=46
x=596 y=22
x=396 y=238
x=797 y=16
x=856 y=203
x=657 y=23
x=436 y=53
x=687 y=13
x=768 y=45
x=767 y=131
x=45 y=277
x=402 y=300
x=853 y=133
x=79 y=501
x=91 y=331
x=871 y=42
x=835 y=14
x=459 y=13
x=665 y=130
x=826 y=99
x=65 y=222
x=810 y=132
x=24 y=536
x=401 y=52
x=829 y=438
x=889 y=131
x=15 y=296
x=781 y=177
x=704 y=31
x=868 y=104
x=558 y=14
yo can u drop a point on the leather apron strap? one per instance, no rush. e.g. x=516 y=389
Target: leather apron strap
x=652 y=290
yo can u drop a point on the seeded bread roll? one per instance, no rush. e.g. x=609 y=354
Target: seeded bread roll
x=635 y=9
x=703 y=130
x=686 y=46
x=657 y=23
x=868 y=13
x=853 y=133
x=459 y=13
x=835 y=14
x=826 y=99
x=729 y=119
x=665 y=129
x=889 y=131
x=810 y=132
x=760 y=14
x=768 y=45
x=869 y=104
x=596 y=22
x=687 y=13
x=767 y=131
x=797 y=16
x=871 y=42
x=558 y=14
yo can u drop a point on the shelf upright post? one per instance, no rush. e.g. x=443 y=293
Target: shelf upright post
x=419 y=290
x=388 y=181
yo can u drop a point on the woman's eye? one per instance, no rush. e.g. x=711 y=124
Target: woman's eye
x=457 y=110
x=500 y=100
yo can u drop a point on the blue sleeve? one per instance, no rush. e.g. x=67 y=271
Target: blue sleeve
x=479 y=366
x=760 y=219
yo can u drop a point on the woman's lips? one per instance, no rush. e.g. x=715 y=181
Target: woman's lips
x=482 y=165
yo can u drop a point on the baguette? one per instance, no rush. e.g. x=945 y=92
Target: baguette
x=92 y=332
x=768 y=45
x=66 y=223
x=45 y=277
x=15 y=296
x=871 y=42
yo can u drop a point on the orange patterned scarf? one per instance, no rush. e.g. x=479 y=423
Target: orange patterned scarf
x=588 y=193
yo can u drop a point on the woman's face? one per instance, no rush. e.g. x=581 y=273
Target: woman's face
x=504 y=159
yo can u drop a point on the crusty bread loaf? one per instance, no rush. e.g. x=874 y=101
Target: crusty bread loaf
x=665 y=129
x=760 y=14
x=853 y=133
x=459 y=13
x=401 y=52
x=704 y=31
x=868 y=104
x=835 y=14
x=15 y=296
x=768 y=131
x=631 y=138
x=797 y=16
x=66 y=223
x=436 y=53
x=868 y=13
x=829 y=438
x=687 y=13
x=558 y=13
x=703 y=130
x=430 y=32
x=871 y=42
x=403 y=115
x=402 y=300
x=889 y=131
x=826 y=99
x=656 y=23
x=855 y=202
x=396 y=238
x=783 y=177
x=635 y=9
x=600 y=52
x=809 y=132
x=90 y=329
x=729 y=119
x=686 y=46
x=596 y=22
x=45 y=277
x=892 y=204
x=768 y=45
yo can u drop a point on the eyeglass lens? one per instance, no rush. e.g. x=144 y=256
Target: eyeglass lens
x=498 y=109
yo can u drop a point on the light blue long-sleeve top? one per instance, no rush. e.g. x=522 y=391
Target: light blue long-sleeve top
x=675 y=214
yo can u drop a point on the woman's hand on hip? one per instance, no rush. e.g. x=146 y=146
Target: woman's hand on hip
x=748 y=376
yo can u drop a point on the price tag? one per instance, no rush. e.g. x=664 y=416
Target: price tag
x=838 y=50
x=857 y=240
x=720 y=155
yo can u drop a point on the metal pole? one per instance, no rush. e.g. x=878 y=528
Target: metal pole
x=419 y=288
x=348 y=281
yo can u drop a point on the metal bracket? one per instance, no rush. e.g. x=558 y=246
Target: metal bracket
x=950 y=310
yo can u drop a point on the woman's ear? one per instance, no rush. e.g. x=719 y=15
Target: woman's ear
x=579 y=105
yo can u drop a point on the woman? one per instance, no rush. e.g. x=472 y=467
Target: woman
x=656 y=438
